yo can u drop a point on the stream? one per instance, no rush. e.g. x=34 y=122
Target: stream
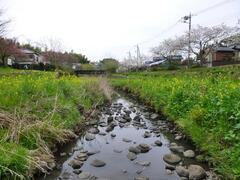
x=128 y=141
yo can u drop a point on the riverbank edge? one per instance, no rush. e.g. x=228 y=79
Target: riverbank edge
x=107 y=95
x=177 y=128
x=87 y=116
x=42 y=159
x=78 y=131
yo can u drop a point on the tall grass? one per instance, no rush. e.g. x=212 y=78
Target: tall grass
x=38 y=110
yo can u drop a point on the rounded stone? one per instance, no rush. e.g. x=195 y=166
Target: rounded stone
x=158 y=143
x=196 y=172
x=113 y=135
x=126 y=140
x=177 y=149
x=189 y=154
x=181 y=171
x=143 y=163
x=171 y=158
x=76 y=164
x=84 y=175
x=89 y=137
x=135 y=150
x=131 y=156
x=98 y=163
x=117 y=150
x=170 y=167
x=147 y=134
x=141 y=177
x=90 y=153
x=144 y=147
x=178 y=137
x=77 y=171
x=102 y=133
x=93 y=130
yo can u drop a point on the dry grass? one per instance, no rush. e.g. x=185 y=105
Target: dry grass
x=106 y=88
x=5 y=119
x=21 y=126
x=37 y=111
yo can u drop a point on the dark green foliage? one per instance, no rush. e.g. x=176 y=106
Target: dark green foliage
x=36 y=50
x=109 y=65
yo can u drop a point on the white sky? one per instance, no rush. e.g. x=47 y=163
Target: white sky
x=100 y=28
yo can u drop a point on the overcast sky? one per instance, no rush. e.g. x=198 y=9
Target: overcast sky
x=102 y=28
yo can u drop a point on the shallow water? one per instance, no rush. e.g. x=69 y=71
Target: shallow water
x=118 y=166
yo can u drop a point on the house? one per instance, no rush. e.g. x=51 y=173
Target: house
x=175 y=59
x=222 y=55
x=161 y=60
x=76 y=66
x=26 y=59
x=236 y=47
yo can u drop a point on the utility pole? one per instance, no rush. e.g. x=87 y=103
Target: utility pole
x=129 y=56
x=138 y=55
x=188 y=19
x=129 y=59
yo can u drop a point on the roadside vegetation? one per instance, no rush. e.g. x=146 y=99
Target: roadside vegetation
x=205 y=103
x=37 y=111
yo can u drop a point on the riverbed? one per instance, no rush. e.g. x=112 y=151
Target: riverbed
x=128 y=141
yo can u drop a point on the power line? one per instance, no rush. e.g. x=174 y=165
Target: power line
x=194 y=14
x=159 y=34
x=189 y=18
x=213 y=6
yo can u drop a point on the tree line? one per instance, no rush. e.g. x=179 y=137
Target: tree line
x=11 y=47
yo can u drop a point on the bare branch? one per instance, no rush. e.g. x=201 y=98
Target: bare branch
x=3 y=24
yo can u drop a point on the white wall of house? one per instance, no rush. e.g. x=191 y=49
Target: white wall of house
x=237 y=56
x=209 y=59
x=9 y=62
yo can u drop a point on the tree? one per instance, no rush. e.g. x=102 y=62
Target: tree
x=78 y=58
x=56 y=58
x=203 y=39
x=53 y=52
x=3 y=24
x=109 y=64
x=8 y=47
x=64 y=59
x=168 y=47
x=231 y=40
x=36 y=49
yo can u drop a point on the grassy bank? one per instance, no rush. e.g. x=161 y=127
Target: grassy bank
x=36 y=111
x=204 y=102
x=4 y=70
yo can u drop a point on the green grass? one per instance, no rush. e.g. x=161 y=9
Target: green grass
x=204 y=102
x=5 y=70
x=38 y=110
x=14 y=161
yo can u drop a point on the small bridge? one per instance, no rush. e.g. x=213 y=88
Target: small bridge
x=93 y=72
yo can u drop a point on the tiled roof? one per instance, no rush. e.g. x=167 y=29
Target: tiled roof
x=224 y=49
